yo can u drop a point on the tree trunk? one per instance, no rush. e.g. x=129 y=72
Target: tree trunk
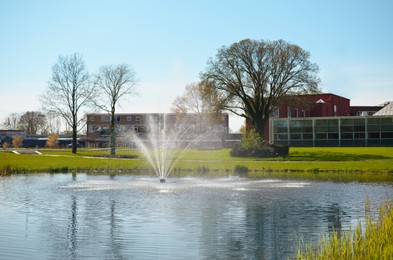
x=259 y=126
x=112 y=134
x=74 y=137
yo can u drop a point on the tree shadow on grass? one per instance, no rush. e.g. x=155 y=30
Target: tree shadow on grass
x=334 y=156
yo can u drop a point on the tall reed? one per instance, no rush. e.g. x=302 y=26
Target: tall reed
x=375 y=242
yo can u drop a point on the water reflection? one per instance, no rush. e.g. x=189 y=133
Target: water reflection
x=72 y=228
x=115 y=247
x=125 y=217
x=334 y=218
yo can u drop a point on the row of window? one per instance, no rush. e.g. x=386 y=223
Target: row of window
x=105 y=130
x=276 y=113
x=303 y=131
x=323 y=136
x=107 y=118
x=369 y=121
x=334 y=129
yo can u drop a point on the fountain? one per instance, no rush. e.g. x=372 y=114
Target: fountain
x=167 y=140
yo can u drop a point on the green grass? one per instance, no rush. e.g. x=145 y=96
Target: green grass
x=375 y=242
x=331 y=163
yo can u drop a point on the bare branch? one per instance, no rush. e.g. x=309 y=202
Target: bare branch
x=69 y=90
x=112 y=83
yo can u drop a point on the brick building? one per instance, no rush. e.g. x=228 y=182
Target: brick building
x=329 y=120
x=312 y=105
x=126 y=123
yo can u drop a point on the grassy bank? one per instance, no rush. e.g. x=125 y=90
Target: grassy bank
x=332 y=162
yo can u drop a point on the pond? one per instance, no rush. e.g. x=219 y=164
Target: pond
x=65 y=216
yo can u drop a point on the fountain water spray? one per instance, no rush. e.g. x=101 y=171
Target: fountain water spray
x=165 y=143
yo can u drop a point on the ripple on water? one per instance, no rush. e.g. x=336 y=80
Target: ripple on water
x=83 y=216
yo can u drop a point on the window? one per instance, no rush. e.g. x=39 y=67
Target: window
x=303 y=113
x=288 y=112
x=96 y=129
x=117 y=119
x=138 y=118
x=296 y=114
x=105 y=118
x=142 y=129
x=276 y=112
x=104 y=131
x=129 y=118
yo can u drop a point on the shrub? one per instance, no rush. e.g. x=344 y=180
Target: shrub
x=266 y=151
x=6 y=145
x=52 y=140
x=241 y=170
x=252 y=145
x=61 y=169
x=17 y=141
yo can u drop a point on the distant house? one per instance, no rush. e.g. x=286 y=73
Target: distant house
x=37 y=140
x=6 y=135
x=138 y=123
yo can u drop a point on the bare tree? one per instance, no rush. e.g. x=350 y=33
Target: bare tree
x=68 y=92
x=53 y=122
x=191 y=101
x=114 y=82
x=252 y=76
x=33 y=122
x=11 y=122
x=199 y=98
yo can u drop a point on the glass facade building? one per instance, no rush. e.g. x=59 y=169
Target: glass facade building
x=333 y=131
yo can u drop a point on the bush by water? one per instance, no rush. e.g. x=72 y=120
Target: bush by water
x=252 y=145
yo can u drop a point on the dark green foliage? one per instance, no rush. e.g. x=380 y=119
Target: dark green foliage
x=252 y=145
x=265 y=151
x=62 y=169
x=241 y=170
x=11 y=169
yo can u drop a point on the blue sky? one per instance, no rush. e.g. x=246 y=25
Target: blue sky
x=167 y=43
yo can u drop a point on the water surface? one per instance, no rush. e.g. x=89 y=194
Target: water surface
x=81 y=216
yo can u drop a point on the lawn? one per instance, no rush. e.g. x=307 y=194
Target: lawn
x=316 y=162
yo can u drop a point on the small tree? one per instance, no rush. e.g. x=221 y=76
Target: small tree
x=6 y=145
x=252 y=140
x=11 y=122
x=17 y=141
x=68 y=92
x=33 y=122
x=54 y=122
x=52 y=140
x=253 y=145
x=113 y=83
x=200 y=100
